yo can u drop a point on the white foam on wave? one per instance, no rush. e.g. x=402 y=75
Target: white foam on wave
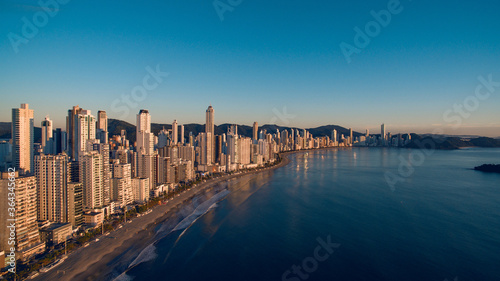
x=123 y=277
x=148 y=254
x=202 y=209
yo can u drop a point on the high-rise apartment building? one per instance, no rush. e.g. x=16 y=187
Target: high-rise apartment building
x=22 y=129
x=145 y=139
x=72 y=131
x=51 y=173
x=383 y=135
x=122 y=183
x=48 y=146
x=27 y=234
x=85 y=130
x=255 y=131
x=91 y=176
x=75 y=203
x=140 y=189
x=210 y=128
x=182 y=134
x=102 y=126
x=175 y=132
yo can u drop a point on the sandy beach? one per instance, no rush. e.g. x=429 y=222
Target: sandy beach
x=95 y=262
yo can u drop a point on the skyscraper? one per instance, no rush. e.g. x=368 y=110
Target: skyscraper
x=27 y=236
x=182 y=134
x=382 y=134
x=60 y=141
x=51 y=173
x=22 y=138
x=143 y=121
x=75 y=203
x=210 y=128
x=334 y=135
x=175 y=132
x=85 y=130
x=91 y=176
x=72 y=132
x=47 y=136
x=102 y=126
x=351 y=140
x=145 y=139
x=122 y=183
x=102 y=120
x=255 y=131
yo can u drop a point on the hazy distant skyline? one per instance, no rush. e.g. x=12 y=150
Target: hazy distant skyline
x=261 y=58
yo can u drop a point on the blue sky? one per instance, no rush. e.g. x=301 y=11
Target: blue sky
x=261 y=58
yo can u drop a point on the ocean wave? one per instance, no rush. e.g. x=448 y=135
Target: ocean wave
x=123 y=277
x=202 y=209
x=148 y=254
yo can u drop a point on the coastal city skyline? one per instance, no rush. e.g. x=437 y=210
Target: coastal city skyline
x=76 y=180
x=249 y=140
x=285 y=118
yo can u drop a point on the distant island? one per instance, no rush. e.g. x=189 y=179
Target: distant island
x=489 y=168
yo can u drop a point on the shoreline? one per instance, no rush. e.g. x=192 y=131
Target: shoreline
x=93 y=262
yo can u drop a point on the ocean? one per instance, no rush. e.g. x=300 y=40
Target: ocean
x=340 y=214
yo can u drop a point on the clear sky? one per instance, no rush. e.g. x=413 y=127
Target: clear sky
x=259 y=58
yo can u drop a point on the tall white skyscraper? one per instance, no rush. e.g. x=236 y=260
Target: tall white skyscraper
x=22 y=138
x=182 y=134
x=334 y=135
x=47 y=136
x=210 y=128
x=51 y=173
x=244 y=150
x=206 y=148
x=102 y=120
x=175 y=132
x=255 y=131
x=85 y=131
x=143 y=121
x=145 y=139
x=92 y=178
x=122 y=183
x=102 y=126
